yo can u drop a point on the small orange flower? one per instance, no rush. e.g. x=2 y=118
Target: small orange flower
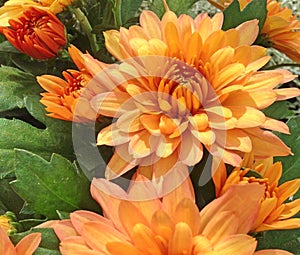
x=37 y=33
x=273 y=212
x=62 y=95
x=281 y=28
x=26 y=246
x=13 y=9
x=168 y=225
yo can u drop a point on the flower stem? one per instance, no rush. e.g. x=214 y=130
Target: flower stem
x=87 y=29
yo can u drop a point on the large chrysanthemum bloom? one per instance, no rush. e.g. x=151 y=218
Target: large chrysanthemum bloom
x=169 y=225
x=63 y=94
x=281 y=28
x=26 y=246
x=228 y=67
x=37 y=33
x=274 y=213
x=13 y=9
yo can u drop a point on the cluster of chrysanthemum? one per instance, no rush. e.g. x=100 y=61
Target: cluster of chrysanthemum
x=183 y=86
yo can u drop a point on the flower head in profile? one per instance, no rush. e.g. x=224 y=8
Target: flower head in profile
x=281 y=28
x=37 y=33
x=26 y=246
x=13 y=9
x=62 y=94
x=6 y=222
x=204 y=90
x=171 y=224
x=274 y=213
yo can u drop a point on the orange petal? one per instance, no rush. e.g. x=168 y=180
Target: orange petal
x=237 y=200
x=118 y=248
x=64 y=229
x=144 y=239
x=186 y=211
x=28 y=244
x=181 y=241
x=236 y=245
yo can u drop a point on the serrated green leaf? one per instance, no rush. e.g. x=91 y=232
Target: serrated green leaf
x=56 y=138
x=50 y=186
x=291 y=164
x=14 y=86
x=234 y=16
x=177 y=6
x=49 y=241
x=282 y=239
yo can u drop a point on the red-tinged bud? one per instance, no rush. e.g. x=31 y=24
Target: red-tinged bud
x=37 y=33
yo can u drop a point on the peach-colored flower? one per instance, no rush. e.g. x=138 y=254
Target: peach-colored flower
x=37 y=33
x=26 y=246
x=13 y=9
x=274 y=213
x=62 y=95
x=170 y=225
x=281 y=28
x=217 y=93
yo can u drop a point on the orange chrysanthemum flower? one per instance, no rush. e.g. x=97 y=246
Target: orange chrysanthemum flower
x=281 y=28
x=13 y=9
x=273 y=212
x=26 y=246
x=211 y=97
x=62 y=95
x=37 y=33
x=170 y=225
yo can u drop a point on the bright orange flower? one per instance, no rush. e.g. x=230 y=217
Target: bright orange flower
x=281 y=28
x=170 y=225
x=13 y=9
x=212 y=99
x=26 y=246
x=273 y=212
x=37 y=33
x=62 y=95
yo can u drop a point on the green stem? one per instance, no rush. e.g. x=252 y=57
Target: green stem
x=117 y=13
x=283 y=64
x=87 y=29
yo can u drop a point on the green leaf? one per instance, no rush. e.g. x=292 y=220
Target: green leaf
x=234 y=16
x=177 y=6
x=291 y=164
x=55 y=138
x=8 y=48
x=129 y=9
x=9 y=200
x=14 y=86
x=279 y=110
x=282 y=239
x=50 y=186
x=48 y=245
x=124 y=10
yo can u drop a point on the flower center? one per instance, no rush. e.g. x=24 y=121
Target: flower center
x=76 y=81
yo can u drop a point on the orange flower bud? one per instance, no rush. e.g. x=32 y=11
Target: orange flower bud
x=37 y=33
